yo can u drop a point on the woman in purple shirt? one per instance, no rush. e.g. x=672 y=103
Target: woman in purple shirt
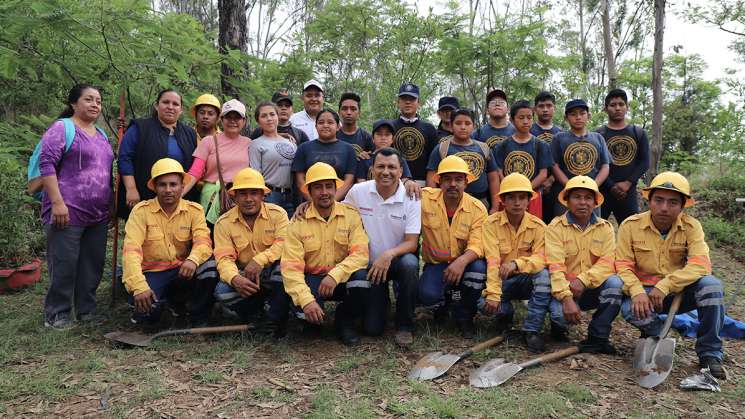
x=75 y=209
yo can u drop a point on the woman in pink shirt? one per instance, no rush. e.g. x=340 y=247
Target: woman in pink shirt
x=231 y=148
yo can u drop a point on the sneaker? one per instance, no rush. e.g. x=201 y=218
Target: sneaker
x=348 y=336
x=502 y=323
x=61 y=321
x=534 y=342
x=559 y=333
x=715 y=367
x=467 y=328
x=596 y=345
x=404 y=338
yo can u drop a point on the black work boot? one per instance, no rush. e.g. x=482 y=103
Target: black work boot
x=502 y=323
x=559 y=333
x=715 y=367
x=596 y=345
x=534 y=342
x=467 y=328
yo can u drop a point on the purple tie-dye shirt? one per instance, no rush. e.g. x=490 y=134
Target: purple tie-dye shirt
x=83 y=174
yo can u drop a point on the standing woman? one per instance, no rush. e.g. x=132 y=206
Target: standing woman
x=148 y=140
x=75 y=209
x=220 y=156
x=271 y=154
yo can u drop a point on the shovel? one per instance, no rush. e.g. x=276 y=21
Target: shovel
x=435 y=364
x=141 y=339
x=653 y=356
x=496 y=371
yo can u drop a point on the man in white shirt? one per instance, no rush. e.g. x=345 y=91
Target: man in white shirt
x=305 y=120
x=393 y=223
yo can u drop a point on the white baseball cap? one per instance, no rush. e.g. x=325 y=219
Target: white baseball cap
x=233 y=105
x=313 y=82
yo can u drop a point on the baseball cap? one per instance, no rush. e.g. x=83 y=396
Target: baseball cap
x=313 y=83
x=383 y=123
x=233 y=105
x=496 y=93
x=448 y=102
x=575 y=103
x=280 y=96
x=408 y=89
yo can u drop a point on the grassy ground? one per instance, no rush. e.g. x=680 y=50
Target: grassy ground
x=77 y=373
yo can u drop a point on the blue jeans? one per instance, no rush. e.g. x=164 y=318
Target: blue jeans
x=248 y=308
x=606 y=299
x=351 y=296
x=465 y=295
x=705 y=295
x=404 y=270
x=536 y=288
x=284 y=200
x=166 y=284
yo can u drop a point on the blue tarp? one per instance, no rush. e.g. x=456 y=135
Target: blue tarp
x=687 y=324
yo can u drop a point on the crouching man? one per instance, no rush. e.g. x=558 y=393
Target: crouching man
x=662 y=252
x=451 y=244
x=326 y=256
x=579 y=253
x=167 y=247
x=515 y=261
x=248 y=243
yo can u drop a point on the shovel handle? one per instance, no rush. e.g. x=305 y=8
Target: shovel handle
x=483 y=345
x=554 y=356
x=674 y=306
x=203 y=330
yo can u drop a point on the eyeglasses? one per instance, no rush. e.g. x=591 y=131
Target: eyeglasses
x=496 y=102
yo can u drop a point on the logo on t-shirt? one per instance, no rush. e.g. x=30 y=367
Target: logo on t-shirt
x=519 y=162
x=285 y=150
x=410 y=142
x=495 y=140
x=475 y=162
x=546 y=136
x=580 y=158
x=622 y=149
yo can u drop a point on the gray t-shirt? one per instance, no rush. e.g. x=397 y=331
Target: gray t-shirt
x=273 y=158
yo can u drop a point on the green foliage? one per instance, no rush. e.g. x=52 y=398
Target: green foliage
x=20 y=229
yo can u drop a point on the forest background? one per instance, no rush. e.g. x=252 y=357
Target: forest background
x=249 y=49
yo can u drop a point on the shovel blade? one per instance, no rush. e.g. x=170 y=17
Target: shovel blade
x=129 y=338
x=493 y=373
x=656 y=362
x=432 y=366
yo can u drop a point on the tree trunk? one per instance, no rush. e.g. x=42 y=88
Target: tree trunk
x=610 y=55
x=659 y=31
x=232 y=36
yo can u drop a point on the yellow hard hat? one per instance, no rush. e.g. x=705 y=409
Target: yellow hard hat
x=454 y=164
x=672 y=181
x=248 y=178
x=581 y=182
x=205 y=99
x=320 y=171
x=516 y=182
x=164 y=167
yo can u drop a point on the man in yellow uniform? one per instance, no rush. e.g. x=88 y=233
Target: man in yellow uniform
x=167 y=242
x=451 y=244
x=325 y=256
x=248 y=243
x=515 y=261
x=662 y=252
x=579 y=253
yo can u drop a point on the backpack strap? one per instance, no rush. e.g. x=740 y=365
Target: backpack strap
x=637 y=132
x=69 y=132
x=443 y=148
x=484 y=149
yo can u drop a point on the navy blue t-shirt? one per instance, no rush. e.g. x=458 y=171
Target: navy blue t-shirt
x=579 y=155
x=364 y=170
x=338 y=154
x=524 y=158
x=547 y=135
x=415 y=141
x=629 y=153
x=478 y=163
x=361 y=140
x=493 y=136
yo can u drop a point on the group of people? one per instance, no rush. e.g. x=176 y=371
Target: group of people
x=310 y=208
